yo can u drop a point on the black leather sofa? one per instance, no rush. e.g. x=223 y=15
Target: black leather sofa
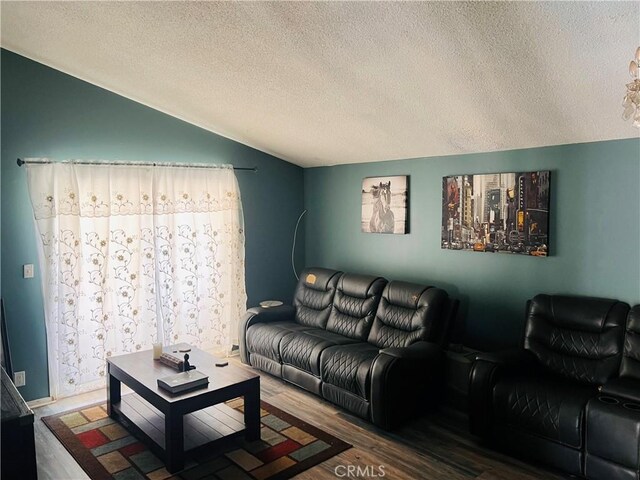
x=613 y=417
x=532 y=401
x=370 y=346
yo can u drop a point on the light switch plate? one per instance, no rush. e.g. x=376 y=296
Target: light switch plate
x=27 y=270
x=19 y=379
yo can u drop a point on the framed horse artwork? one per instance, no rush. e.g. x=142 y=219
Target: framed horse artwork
x=385 y=204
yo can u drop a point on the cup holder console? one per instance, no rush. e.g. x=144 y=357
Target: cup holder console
x=632 y=406
x=612 y=436
x=614 y=401
x=609 y=400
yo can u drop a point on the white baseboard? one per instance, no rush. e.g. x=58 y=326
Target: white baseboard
x=40 y=402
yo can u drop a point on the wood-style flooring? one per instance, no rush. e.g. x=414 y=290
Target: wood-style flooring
x=437 y=446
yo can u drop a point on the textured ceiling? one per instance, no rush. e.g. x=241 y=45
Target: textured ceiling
x=332 y=82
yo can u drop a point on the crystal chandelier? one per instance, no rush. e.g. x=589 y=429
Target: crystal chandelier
x=631 y=102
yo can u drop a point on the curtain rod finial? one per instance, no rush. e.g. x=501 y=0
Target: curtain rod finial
x=20 y=162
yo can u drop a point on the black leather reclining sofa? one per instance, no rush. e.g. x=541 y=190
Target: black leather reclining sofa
x=613 y=418
x=570 y=397
x=371 y=346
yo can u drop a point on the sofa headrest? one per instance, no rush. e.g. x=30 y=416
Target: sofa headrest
x=360 y=286
x=317 y=278
x=577 y=337
x=587 y=314
x=406 y=295
x=355 y=304
x=314 y=294
x=407 y=313
x=630 y=366
x=633 y=321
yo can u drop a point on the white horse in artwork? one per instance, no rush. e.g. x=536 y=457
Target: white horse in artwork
x=382 y=218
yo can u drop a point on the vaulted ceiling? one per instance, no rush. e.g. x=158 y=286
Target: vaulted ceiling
x=324 y=83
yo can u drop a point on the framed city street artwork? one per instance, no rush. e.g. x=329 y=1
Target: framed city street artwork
x=497 y=212
x=385 y=204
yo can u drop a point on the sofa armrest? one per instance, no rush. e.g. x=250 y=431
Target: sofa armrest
x=425 y=351
x=484 y=373
x=514 y=359
x=404 y=382
x=261 y=315
x=272 y=314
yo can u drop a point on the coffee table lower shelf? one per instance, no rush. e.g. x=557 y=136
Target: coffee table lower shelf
x=207 y=428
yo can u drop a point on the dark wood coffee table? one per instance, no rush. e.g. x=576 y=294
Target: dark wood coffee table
x=175 y=424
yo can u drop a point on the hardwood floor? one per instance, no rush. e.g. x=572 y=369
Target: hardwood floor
x=434 y=447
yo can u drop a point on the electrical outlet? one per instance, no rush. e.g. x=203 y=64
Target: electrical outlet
x=19 y=379
x=27 y=270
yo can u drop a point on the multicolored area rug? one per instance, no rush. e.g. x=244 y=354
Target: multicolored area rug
x=106 y=450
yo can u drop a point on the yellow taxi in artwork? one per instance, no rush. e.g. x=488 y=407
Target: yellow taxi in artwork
x=541 y=251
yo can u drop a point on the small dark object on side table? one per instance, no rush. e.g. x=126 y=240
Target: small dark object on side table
x=186 y=366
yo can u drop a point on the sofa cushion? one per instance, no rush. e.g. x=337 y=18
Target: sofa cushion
x=546 y=406
x=264 y=338
x=577 y=337
x=349 y=367
x=302 y=349
x=313 y=297
x=408 y=313
x=355 y=304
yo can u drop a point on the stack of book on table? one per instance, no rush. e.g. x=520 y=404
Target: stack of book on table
x=181 y=382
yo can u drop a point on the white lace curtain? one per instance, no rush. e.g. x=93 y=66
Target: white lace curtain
x=131 y=255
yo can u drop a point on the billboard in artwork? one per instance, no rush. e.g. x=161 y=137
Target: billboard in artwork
x=496 y=212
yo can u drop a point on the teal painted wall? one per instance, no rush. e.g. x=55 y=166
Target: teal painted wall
x=594 y=228
x=46 y=113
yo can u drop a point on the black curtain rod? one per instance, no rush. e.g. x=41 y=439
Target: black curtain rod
x=142 y=164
